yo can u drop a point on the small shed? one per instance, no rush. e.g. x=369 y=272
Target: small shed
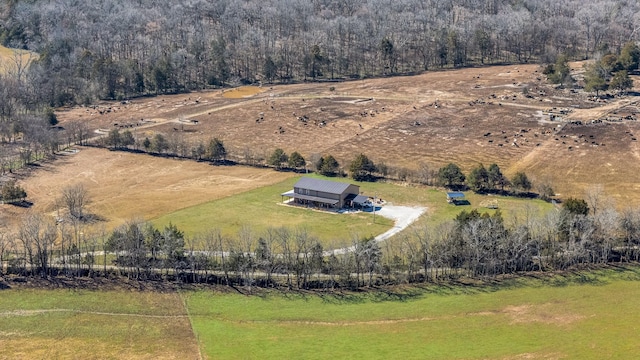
x=455 y=197
x=359 y=201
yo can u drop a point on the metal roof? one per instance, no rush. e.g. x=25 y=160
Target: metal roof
x=331 y=187
x=360 y=199
x=453 y=195
x=310 y=198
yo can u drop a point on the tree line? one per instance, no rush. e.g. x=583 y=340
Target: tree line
x=111 y=49
x=609 y=72
x=491 y=180
x=474 y=244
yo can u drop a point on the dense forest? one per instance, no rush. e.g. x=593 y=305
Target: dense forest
x=113 y=49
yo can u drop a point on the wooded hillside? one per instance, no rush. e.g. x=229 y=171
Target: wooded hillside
x=120 y=48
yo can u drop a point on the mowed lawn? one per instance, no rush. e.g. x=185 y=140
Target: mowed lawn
x=262 y=208
x=66 y=324
x=589 y=316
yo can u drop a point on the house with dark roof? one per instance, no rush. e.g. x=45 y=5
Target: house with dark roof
x=325 y=193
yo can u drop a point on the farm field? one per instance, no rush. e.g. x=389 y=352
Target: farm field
x=564 y=317
x=82 y=324
x=578 y=315
x=467 y=116
x=124 y=185
x=199 y=197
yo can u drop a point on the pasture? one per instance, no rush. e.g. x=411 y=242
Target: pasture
x=83 y=324
x=124 y=185
x=572 y=316
x=468 y=116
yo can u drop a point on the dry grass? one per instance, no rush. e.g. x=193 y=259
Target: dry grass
x=242 y=92
x=467 y=116
x=123 y=185
x=9 y=57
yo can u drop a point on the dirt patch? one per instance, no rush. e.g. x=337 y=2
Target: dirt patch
x=542 y=313
x=242 y=92
x=536 y=356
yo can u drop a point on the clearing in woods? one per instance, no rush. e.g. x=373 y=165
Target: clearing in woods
x=507 y=115
x=12 y=59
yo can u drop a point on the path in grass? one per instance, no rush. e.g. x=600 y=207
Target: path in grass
x=43 y=311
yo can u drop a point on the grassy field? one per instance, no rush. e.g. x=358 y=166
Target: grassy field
x=261 y=208
x=585 y=315
x=154 y=185
x=590 y=316
x=466 y=116
x=65 y=324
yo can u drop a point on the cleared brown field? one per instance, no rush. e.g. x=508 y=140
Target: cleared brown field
x=123 y=185
x=467 y=116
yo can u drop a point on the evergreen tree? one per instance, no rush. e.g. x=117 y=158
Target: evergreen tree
x=328 y=166
x=296 y=160
x=451 y=175
x=361 y=168
x=216 y=150
x=277 y=158
x=621 y=81
x=521 y=182
x=479 y=179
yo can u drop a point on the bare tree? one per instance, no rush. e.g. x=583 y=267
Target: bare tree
x=38 y=236
x=75 y=198
x=4 y=243
x=595 y=198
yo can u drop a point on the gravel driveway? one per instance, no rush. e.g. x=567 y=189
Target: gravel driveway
x=403 y=216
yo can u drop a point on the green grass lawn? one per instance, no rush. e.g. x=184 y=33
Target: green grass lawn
x=65 y=324
x=261 y=209
x=592 y=316
x=585 y=315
